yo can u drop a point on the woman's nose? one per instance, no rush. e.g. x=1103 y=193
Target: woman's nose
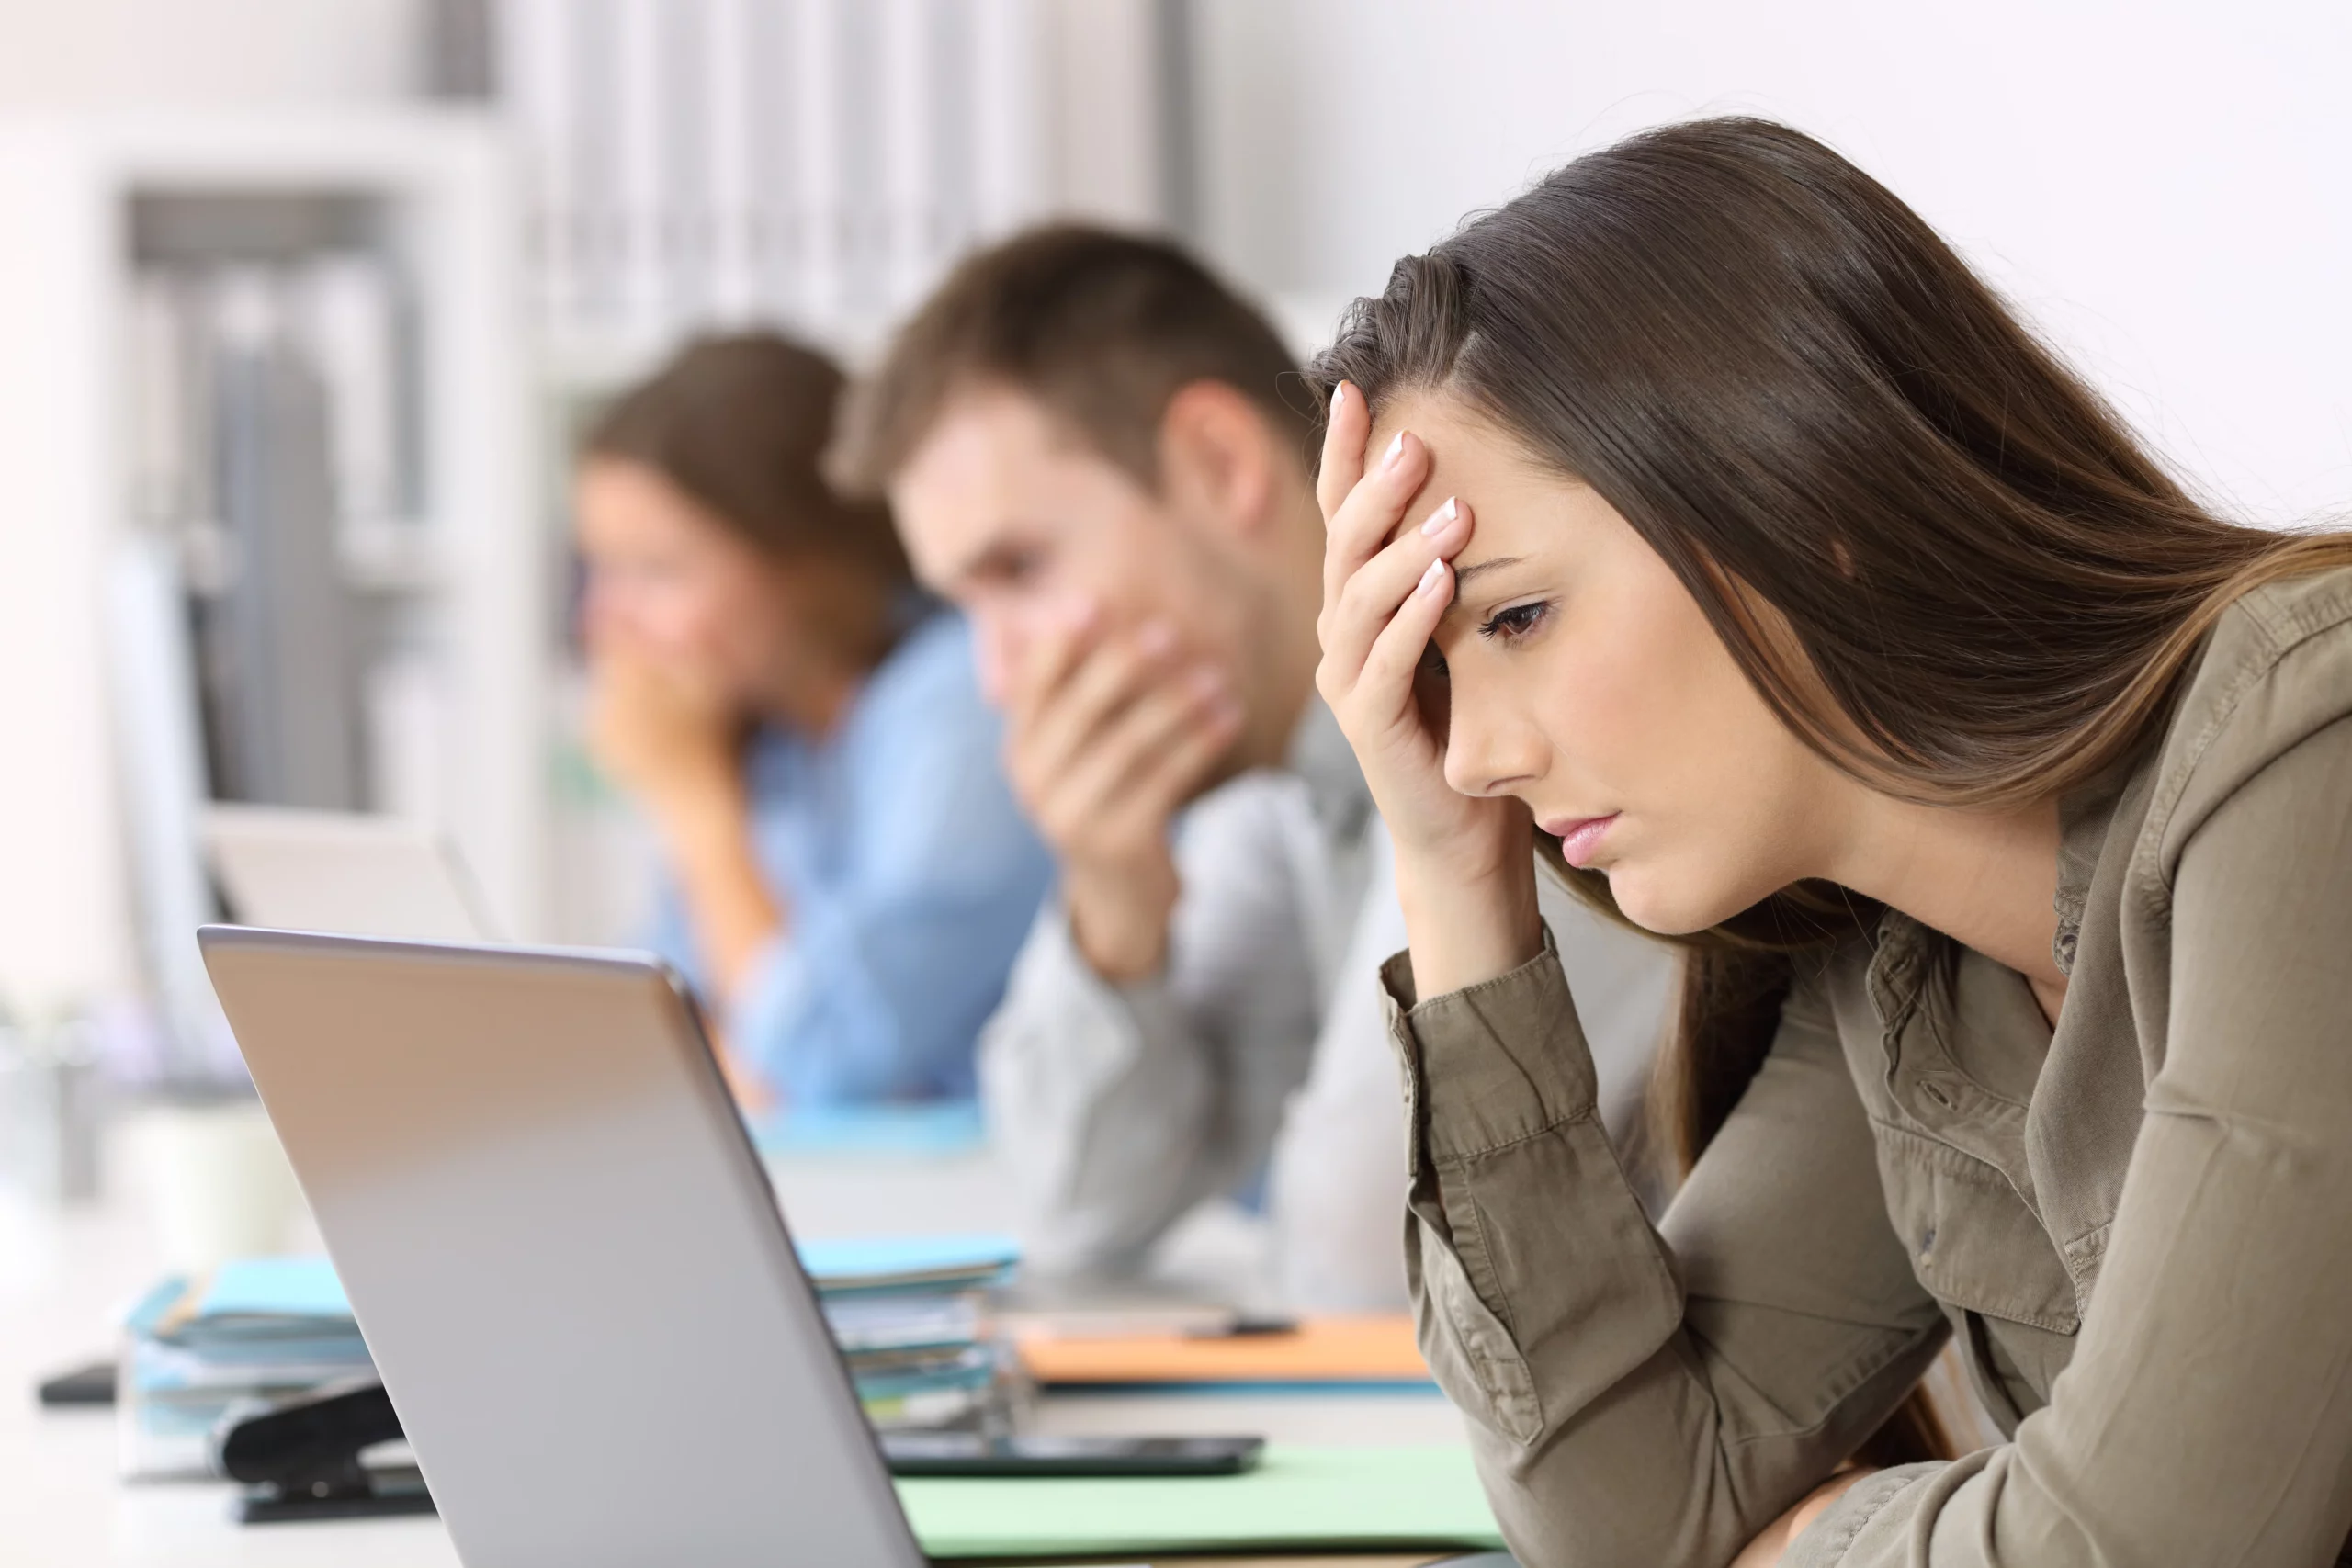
x=1485 y=754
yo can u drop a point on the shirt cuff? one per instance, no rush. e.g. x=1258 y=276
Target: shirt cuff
x=1110 y=1023
x=1493 y=1062
x=1869 y=1523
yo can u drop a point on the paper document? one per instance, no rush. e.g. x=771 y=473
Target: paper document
x=1328 y=1351
x=1406 y=1499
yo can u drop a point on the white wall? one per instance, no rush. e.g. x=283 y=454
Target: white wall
x=2167 y=187
x=87 y=53
x=1103 y=86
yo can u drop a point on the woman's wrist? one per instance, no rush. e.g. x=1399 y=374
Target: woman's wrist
x=1770 y=1547
x=702 y=817
x=715 y=857
x=1465 y=927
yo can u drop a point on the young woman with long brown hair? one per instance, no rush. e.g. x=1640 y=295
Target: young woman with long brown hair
x=1702 y=512
x=847 y=875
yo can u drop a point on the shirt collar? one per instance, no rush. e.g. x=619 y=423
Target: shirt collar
x=1906 y=952
x=2085 y=815
x=1320 y=755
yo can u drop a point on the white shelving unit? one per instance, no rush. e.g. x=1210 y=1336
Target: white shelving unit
x=98 y=869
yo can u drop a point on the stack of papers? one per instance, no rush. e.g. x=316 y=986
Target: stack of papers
x=910 y=1314
x=251 y=1332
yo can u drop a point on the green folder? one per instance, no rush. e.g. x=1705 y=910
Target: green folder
x=1369 y=1499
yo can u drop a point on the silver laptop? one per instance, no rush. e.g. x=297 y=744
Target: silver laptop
x=339 y=871
x=563 y=1253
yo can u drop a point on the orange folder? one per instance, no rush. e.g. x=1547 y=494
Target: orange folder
x=1327 y=1351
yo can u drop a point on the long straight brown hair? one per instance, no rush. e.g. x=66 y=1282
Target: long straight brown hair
x=1976 y=587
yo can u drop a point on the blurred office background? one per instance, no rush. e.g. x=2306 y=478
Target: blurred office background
x=303 y=302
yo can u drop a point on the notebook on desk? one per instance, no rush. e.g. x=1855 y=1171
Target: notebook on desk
x=1327 y=1354
x=1369 y=1499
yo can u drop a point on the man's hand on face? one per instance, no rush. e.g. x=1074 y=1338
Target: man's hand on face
x=1108 y=732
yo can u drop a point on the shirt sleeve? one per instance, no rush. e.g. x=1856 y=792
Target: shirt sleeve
x=1642 y=1395
x=667 y=933
x=2207 y=1415
x=1337 y=1174
x=1120 y=1108
x=879 y=985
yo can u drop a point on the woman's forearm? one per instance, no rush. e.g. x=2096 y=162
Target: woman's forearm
x=1658 y=1398
x=730 y=908
x=1768 y=1550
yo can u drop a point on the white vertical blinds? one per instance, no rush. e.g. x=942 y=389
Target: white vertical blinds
x=816 y=161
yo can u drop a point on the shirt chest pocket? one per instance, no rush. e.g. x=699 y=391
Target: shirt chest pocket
x=1974 y=1242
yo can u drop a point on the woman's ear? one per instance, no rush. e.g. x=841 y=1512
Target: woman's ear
x=1217 y=461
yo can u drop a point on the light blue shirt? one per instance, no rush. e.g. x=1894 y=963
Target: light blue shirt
x=909 y=878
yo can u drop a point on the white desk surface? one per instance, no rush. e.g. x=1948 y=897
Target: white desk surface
x=64 y=1274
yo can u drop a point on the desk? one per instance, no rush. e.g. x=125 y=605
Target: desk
x=63 y=1275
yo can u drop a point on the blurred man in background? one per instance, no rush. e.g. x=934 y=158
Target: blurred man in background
x=1085 y=440
x=848 y=877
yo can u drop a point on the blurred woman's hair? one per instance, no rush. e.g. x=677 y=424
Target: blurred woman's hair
x=738 y=424
x=1940 y=557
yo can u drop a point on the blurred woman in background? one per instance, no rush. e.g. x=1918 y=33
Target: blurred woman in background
x=847 y=875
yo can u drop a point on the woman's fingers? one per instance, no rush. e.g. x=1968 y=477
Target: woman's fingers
x=1384 y=692
x=1344 y=434
x=1372 y=509
x=1371 y=597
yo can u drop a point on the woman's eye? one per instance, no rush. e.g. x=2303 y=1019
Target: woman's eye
x=1433 y=663
x=1515 y=622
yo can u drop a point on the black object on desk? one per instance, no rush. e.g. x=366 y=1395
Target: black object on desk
x=301 y=1459
x=973 y=1453
x=90 y=1385
x=1249 y=1326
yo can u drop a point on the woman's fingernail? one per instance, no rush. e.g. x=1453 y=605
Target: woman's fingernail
x=1432 y=578
x=1396 y=450
x=1338 y=398
x=1442 y=518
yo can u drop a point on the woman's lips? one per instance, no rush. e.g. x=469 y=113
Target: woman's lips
x=1579 y=837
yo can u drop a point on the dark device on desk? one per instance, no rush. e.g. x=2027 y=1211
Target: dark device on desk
x=972 y=1453
x=302 y=1460
x=564 y=1252
x=91 y=1386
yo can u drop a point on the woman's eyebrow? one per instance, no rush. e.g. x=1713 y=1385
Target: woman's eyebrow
x=1463 y=574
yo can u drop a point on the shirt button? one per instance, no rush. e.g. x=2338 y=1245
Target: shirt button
x=1928 y=1243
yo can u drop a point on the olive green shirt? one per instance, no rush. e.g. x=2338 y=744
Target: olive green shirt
x=2138 y=1225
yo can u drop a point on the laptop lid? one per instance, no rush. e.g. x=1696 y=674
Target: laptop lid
x=564 y=1252
x=342 y=870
